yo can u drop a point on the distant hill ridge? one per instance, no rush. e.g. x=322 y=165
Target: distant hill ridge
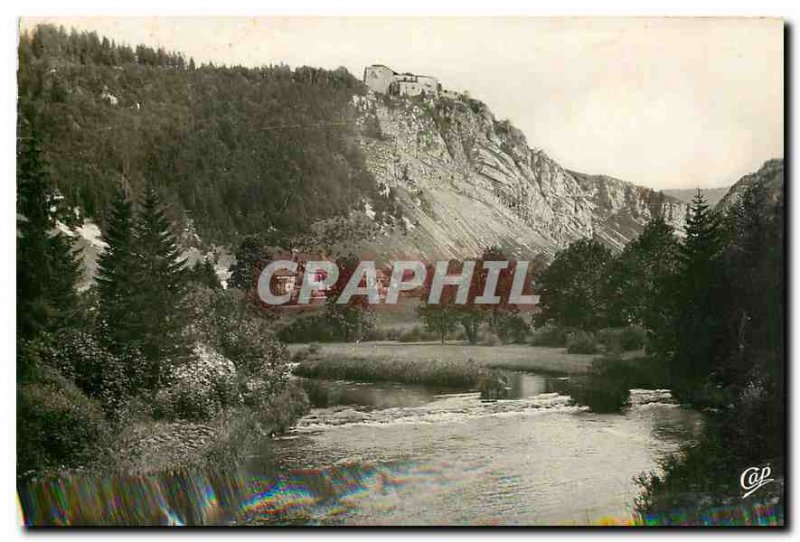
x=286 y=152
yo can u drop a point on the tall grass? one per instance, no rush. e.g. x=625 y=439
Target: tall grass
x=433 y=372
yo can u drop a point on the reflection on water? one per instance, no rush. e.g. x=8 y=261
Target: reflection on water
x=392 y=454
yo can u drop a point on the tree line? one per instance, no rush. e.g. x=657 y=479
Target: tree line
x=712 y=305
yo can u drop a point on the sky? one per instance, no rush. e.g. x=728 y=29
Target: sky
x=661 y=102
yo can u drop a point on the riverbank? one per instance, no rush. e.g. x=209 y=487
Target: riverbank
x=149 y=458
x=431 y=363
x=155 y=445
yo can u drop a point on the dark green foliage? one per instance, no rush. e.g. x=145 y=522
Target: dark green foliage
x=308 y=328
x=581 y=342
x=241 y=332
x=754 y=265
x=116 y=280
x=699 y=478
x=440 y=319
x=618 y=340
x=160 y=281
x=101 y=375
x=236 y=361
x=727 y=353
x=510 y=328
x=570 y=288
x=607 y=387
x=693 y=331
x=639 y=279
x=57 y=425
x=252 y=256
x=242 y=150
x=46 y=268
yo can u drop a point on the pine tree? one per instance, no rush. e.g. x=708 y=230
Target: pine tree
x=754 y=271
x=46 y=268
x=160 y=288
x=697 y=319
x=115 y=278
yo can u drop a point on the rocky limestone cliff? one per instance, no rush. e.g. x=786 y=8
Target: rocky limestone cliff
x=770 y=175
x=466 y=181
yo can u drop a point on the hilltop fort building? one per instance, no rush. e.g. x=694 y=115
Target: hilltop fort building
x=382 y=79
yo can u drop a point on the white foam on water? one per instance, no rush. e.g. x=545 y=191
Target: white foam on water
x=642 y=397
x=451 y=408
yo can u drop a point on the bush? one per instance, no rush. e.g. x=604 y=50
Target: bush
x=511 y=328
x=312 y=328
x=617 y=340
x=199 y=389
x=79 y=357
x=57 y=425
x=549 y=335
x=223 y=320
x=581 y=342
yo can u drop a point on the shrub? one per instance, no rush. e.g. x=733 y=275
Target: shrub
x=549 y=335
x=79 y=357
x=307 y=329
x=57 y=425
x=617 y=340
x=581 y=342
x=200 y=388
x=511 y=328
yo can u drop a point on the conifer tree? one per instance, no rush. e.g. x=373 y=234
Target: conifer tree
x=160 y=287
x=697 y=319
x=46 y=268
x=115 y=278
x=754 y=277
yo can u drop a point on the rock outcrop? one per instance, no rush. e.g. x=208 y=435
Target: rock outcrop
x=465 y=180
x=770 y=175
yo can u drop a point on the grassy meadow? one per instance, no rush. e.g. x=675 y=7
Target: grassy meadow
x=431 y=363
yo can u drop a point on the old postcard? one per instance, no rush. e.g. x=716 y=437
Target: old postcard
x=401 y=271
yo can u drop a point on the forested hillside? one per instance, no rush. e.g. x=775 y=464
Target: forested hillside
x=240 y=150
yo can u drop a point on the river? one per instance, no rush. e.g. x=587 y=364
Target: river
x=395 y=454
